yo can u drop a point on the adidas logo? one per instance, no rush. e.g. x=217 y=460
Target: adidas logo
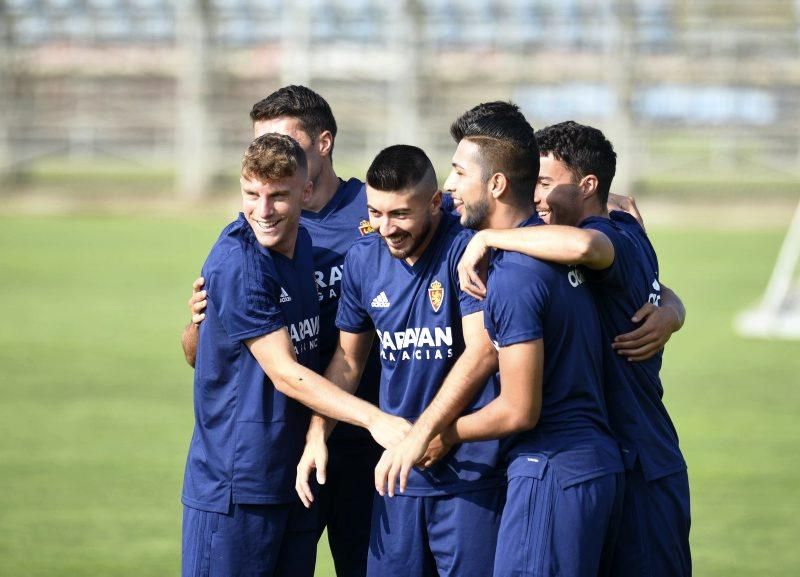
x=380 y=301
x=285 y=298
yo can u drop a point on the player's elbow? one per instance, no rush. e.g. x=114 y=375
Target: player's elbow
x=521 y=418
x=595 y=251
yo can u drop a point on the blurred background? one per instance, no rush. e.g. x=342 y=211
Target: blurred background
x=122 y=123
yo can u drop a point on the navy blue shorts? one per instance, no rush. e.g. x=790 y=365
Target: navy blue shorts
x=550 y=530
x=452 y=535
x=654 y=535
x=252 y=540
x=345 y=503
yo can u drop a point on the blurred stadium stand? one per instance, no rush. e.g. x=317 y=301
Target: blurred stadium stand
x=678 y=85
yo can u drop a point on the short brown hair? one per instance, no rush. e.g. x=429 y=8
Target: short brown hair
x=273 y=156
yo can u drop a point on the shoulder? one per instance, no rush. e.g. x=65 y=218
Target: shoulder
x=354 y=192
x=515 y=263
x=364 y=246
x=231 y=244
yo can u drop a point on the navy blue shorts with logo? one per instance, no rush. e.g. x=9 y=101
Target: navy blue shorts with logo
x=549 y=530
x=252 y=540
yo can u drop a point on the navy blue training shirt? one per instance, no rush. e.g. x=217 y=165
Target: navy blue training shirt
x=416 y=313
x=529 y=299
x=633 y=389
x=333 y=230
x=248 y=437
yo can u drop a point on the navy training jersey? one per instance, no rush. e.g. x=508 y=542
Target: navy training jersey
x=529 y=299
x=633 y=389
x=248 y=437
x=333 y=230
x=416 y=313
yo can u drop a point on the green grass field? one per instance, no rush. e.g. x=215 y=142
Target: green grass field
x=96 y=409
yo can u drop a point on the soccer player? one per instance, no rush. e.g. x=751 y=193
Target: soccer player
x=335 y=215
x=256 y=357
x=620 y=266
x=400 y=285
x=564 y=466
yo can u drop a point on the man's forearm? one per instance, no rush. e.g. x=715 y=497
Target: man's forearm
x=325 y=397
x=562 y=244
x=670 y=299
x=189 y=343
x=496 y=420
x=465 y=380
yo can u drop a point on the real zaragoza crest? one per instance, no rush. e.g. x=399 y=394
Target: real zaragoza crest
x=436 y=295
x=365 y=228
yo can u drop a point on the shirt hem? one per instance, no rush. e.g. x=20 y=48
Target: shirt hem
x=456 y=489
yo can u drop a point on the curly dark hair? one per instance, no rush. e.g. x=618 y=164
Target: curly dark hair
x=313 y=111
x=507 y=142
x=584 y=150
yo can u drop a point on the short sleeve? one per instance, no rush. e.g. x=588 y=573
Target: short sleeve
x=351 y=316
x=516 y=302
x=238 y=288
x=467 y=303
x=615 y=275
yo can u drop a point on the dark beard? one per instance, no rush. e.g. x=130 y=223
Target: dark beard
x=416 y=242
x=476 y=214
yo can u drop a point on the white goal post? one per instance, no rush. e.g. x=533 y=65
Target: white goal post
x=777 y=316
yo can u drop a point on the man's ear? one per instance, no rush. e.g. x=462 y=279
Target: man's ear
x=308 y=189
x=498 y=185
x=436 y=201
x=325 y=143
x=588 y=185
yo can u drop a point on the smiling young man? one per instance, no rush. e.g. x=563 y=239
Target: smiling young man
x=237 y=493
x=335 y=215
x=621 y=267
x=400 y=285
x=564 y=467
x=255 y=369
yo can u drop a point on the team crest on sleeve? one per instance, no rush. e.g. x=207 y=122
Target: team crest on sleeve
x=364 y=227
x=436 y=295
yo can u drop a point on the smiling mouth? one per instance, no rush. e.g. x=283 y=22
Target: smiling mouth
x=266 y=225
x=396 y=240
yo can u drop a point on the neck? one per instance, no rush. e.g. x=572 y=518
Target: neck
x=325 y=186
x=508 y=216
x=411 y=259
x=592 y=208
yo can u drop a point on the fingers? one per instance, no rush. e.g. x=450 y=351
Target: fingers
x=471 y=283
x=644 y=311
x=198 y=284
x=642 y=353
x=301 y=485
x=381 y=473
x=322 y=468
x=197 y=306
x=405 y=470
x=476 y=283
x=630 y=340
